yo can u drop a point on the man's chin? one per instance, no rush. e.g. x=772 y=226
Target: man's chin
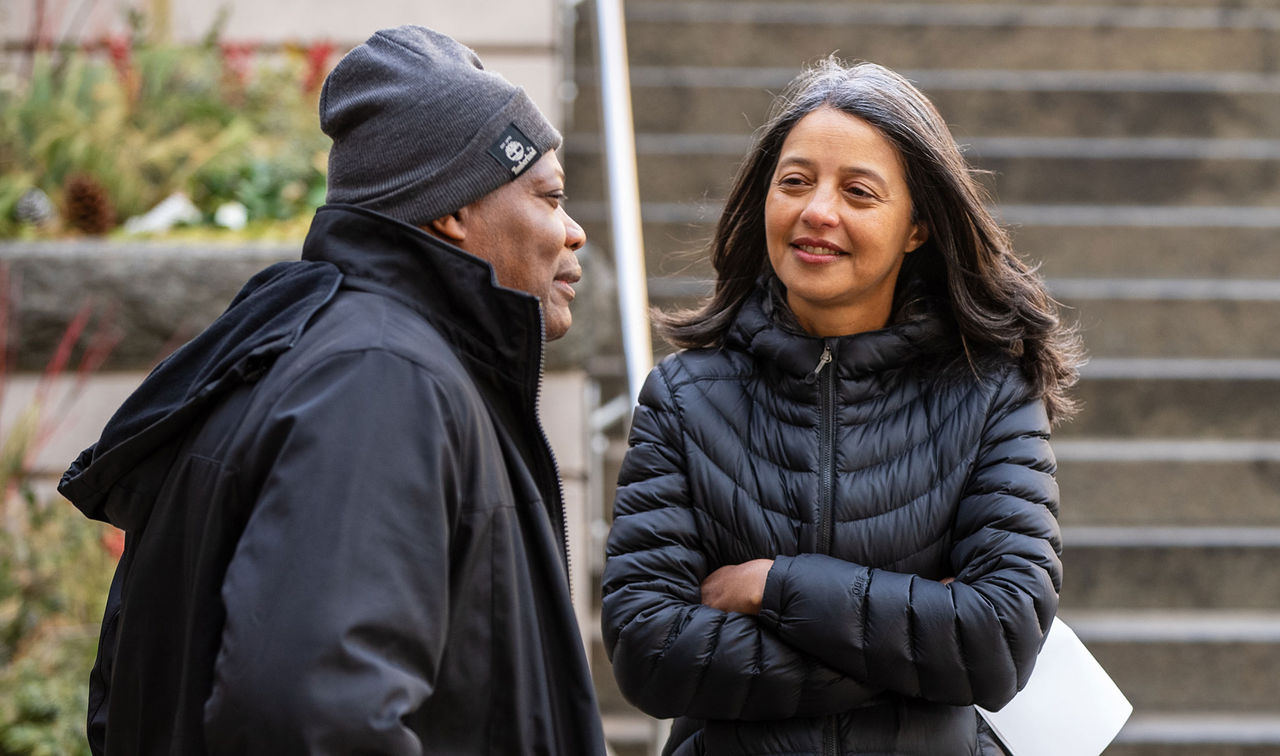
x=558 y=326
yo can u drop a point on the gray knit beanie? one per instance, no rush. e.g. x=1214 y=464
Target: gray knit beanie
x=420 y=129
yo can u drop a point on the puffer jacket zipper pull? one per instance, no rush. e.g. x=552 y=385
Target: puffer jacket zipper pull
x=822 y=362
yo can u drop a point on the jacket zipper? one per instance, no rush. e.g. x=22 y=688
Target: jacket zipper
x=827 y=473
x=563 y=521
x=827 y=438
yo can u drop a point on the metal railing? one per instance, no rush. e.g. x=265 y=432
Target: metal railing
x=624 y=192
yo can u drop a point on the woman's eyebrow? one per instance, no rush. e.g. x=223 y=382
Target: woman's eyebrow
x=849 y=170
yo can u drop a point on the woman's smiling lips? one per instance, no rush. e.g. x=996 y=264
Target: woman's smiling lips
x=816 y=250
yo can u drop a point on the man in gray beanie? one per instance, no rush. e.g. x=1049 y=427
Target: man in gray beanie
x=344 y=527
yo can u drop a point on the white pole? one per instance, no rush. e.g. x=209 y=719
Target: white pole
x=624 y=193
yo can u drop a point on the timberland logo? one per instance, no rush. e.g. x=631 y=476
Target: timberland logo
x=514 y=150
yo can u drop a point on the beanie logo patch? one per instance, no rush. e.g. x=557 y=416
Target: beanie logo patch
x=514 y=151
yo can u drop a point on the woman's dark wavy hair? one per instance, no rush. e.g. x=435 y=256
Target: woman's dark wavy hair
x=999 y=305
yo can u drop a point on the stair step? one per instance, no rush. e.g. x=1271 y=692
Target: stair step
x=1145 y=734
x=689 y=178
x=1202 y=728
x=675 y=73
x=1137 y=324
x=975 y=104
x=905 y=36
x=979 y=147
x=1171 y=567
x=1177 y=398
x=1235 y=243
x=630 y=728
x=1212 y=218
x=1189 y=662
x=1163 y=289
x=1231 y=4
x=1169 y=732
x=1133 y=181
x=1165 y=625
x=1005 y=15
x=1169 y=482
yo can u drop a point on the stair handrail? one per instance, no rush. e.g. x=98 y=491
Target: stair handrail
x=624 y=193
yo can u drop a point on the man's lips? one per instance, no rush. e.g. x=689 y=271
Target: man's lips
x=565 y=281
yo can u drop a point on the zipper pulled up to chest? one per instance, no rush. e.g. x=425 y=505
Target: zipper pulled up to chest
x=825 y=375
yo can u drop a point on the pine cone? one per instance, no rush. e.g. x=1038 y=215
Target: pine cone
x=88 y=205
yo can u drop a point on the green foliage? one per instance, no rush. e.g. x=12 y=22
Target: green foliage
x=218 y=122
x=54 y=574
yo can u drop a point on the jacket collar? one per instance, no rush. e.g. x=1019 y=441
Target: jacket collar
x=497 y=331
x=456 y=291
x=765 y=328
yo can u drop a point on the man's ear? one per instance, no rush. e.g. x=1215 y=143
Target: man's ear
x=449 y=227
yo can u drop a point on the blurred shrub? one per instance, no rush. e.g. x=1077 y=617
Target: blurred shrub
x=55 y=570
x=55 y=564
x=217 y=121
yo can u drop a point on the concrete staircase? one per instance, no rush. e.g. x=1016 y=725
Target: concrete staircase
x=1135 y=148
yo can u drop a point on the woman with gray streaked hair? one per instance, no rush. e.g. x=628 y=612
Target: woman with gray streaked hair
x=835 y=528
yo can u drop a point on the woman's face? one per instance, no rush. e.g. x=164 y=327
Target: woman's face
x=838 y=223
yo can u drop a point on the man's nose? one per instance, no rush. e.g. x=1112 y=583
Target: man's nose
x=574 y=235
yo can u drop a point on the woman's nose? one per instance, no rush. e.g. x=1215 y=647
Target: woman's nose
x=820 y=210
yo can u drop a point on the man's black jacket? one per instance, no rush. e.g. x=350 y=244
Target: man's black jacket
x=344 y=524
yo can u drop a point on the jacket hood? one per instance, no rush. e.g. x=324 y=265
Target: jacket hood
x=264 y=319
x=497 y=329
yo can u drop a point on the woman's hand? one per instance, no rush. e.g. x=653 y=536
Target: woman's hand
x=737 y=587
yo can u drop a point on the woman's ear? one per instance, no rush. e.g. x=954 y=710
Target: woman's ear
x=449 y=227
x=919 y=235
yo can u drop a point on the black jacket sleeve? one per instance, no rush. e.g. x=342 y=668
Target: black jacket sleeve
x=672 y=655
x=337 y=595
x=973 y=641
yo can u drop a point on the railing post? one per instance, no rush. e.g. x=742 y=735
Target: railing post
x=624 y=193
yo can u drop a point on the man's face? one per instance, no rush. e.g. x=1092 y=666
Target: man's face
x=523 y=231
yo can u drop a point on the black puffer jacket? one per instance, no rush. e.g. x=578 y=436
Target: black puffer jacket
x=868 y=479
x=344 y=525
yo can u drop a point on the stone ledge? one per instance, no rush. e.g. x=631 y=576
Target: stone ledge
x=161 y=294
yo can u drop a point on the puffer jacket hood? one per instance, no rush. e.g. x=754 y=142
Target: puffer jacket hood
x=765 y=329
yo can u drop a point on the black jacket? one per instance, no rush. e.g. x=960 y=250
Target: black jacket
x=868 y=479
x=344 y=524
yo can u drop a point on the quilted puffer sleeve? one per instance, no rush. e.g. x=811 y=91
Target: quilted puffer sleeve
x=973 y=641
x=673 y=656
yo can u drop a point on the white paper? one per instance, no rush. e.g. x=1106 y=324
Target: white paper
x=1069 y=707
